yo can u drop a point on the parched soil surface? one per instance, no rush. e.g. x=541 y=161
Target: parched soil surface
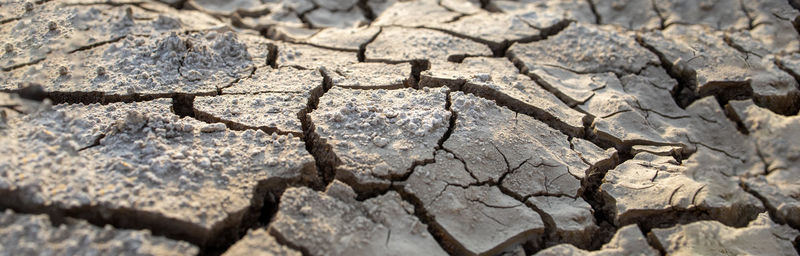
x=399 y=127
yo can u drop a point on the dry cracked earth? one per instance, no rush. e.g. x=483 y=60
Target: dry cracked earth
x=391 y=127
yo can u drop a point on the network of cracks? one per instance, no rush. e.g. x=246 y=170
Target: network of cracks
x=387 y=127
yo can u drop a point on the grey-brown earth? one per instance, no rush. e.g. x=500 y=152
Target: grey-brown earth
x=399 y=127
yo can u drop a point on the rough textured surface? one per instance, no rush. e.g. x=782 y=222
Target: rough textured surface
x=791 y=63
x=281 y=80
x=498 y=79
x=136 y=168
x=773 y=23
x=674 y=191
x=309 y=57
x=628 y=240
x=478 y=220
x=710 y=66
x=170 y=63
x=13 y=106
x=572 y=219
x=260 y=242
x=761 y=236
x=619 y=114
x=774 y=87
x=349 y=39
x=397 y=127
x=333 y=222
x=395 y=44
x=495 y=29
x=585 y=48
x=412 y=13
x=24 y=234
x=55 y=28
x=371 y=76
x=724 y=14
x=776 y=140
x=594 y=155
x=634 y=14
x=518 y=152
x=269 y=112
x=371 y=137
x=545 y=14
x=224 y=7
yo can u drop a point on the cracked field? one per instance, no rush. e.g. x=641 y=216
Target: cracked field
x=399 y=127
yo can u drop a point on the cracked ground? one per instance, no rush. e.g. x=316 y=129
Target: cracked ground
x=399 y=127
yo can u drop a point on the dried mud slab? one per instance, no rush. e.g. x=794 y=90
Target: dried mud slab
x=323 y=18
x=700 y=53
x=571 y=219
x=585 y=48
x=710 y=66
x=262 y=51
x=260 y=242
x=334 y=222
x=633 y=14
x=464 y=7
x=310 y=57
x=118 y=164
x=474 y=219
x=199 y=63
x=348 y=39
x=708 y=128
x=598 y=114
x=722 y=14
x=639 y=111
x=546 y=14
x=270 y=112
x=521 y=154
x=791 y=64
x=776 y=140
x=294 y=33
x=628 y=240
x=572 y=88
x=366 y=75
x=494 y=29
x=773 y=86
x=618 y=116
x=25 y=234
x=13 y=10
x=377 y=7
x=395 y=44
x=31 y=38
x=412 y=13
x=12 y=106
x=498 y=79
x=277 y=16
x=280 y=80
x=655 y=190
x=773 y=24
x=652 y=89
x=761 y=236
x=701 y=124
x=336 y=5
x=371 y=137
x=225 y=8
x=165 y=15
x=54 y=27
x=593 y=155
x=299 y=6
